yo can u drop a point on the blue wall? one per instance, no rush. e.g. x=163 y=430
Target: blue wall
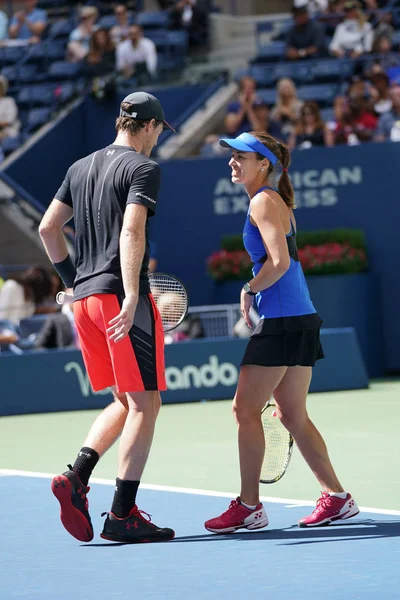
x=196 y=370
x=335 y=187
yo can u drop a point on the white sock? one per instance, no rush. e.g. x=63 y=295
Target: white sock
x=249 y=506
x=342 y=495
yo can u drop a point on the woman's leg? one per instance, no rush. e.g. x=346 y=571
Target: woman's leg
x=255 y=386
x=290 y=397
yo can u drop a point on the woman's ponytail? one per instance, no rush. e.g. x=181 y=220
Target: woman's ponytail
x=285 y=187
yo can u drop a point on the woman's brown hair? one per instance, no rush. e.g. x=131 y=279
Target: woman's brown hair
x=282 y=153
x=95 y=48
x=312 y=106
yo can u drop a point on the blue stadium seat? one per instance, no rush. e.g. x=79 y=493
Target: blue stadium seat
x=22 y=74
x=36 y=118
x=396 y=38
x=269 y=96
x=39 y=95
x=270 y=52
x=9 y=145
x=60 y=29
x=153 y=19
x=32 y=325
x=264 y=75
x=66 y=93
x=298 y=71
x=323 y=94
x=330 y=70
x=283 y=28
x=107 y=21
x=62 y=70
x=12 y=55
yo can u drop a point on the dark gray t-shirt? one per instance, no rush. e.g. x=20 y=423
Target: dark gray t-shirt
x=98 y=188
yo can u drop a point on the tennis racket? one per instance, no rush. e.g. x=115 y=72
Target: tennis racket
x=170 y=296
x=278 y=445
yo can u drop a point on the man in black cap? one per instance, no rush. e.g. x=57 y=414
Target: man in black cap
x=111 y=194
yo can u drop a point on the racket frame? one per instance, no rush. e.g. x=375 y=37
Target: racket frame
x=184 y=315
x=269 y=404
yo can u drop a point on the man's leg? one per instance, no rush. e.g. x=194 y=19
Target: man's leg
x=125 y=522
x=105 y=430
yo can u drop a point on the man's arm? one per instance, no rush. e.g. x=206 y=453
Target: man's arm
x=132 y=245
x=151 y=57
x=50 y=230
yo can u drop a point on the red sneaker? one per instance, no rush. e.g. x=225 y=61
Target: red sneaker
x=236 y=517
x=330 y=508
x=71 y=494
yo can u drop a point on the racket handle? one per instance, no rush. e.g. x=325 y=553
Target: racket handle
x=64 y=298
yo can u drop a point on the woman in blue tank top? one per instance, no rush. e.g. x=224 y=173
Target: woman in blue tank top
x=285 y=345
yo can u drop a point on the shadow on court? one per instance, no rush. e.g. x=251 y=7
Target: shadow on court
x=343 y=532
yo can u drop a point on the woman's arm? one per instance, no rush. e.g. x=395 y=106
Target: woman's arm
x=266 y=213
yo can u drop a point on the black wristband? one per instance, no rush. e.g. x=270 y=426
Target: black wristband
x=67 y=271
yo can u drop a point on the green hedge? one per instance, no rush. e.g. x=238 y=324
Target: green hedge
x=354 y=237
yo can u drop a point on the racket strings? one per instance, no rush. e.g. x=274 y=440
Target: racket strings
x=277 y=443
x=171 y=299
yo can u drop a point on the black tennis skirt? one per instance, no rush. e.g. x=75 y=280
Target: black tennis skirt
x=285 y=341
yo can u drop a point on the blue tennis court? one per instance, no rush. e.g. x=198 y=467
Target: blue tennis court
x=40 y=561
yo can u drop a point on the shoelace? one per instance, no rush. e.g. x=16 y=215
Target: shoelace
x=138 y=513
x=322 y=503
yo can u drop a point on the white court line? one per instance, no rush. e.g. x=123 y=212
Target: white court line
x=181 y=490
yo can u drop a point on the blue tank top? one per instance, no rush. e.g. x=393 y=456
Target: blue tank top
x=289 y=296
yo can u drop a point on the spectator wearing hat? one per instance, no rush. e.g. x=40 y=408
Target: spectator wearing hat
x=137 y=56
x=354 y=36
x=29 y=23
x=80 y=38
x=306 y=39
x=9 y=123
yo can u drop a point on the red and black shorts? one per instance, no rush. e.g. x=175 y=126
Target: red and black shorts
x=136 y=363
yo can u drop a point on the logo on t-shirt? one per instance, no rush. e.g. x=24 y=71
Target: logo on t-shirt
x=145 y=197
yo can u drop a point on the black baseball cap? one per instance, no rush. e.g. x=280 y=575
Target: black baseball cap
x=145 y=107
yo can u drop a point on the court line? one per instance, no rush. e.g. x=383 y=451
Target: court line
x=193 y=491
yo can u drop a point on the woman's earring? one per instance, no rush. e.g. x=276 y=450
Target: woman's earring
x=262 y=168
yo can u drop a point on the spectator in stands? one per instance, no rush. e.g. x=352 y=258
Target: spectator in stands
x=153 y=260
x=81 y=36
x=380 y=92
x=358 y=122
x=306 y=39
x=20 y=296
x=3 y=25
x=192 y=15
x=313 y=6
x=262 y=120
x=239 y=114
x=310 y=129
x=120 y=31
x=100 y=59
x=389 y=123
x=9 y=123
x=287 y=107
x=137 y=56
x=354 y=36
x=384 y=28
x=28 y=24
